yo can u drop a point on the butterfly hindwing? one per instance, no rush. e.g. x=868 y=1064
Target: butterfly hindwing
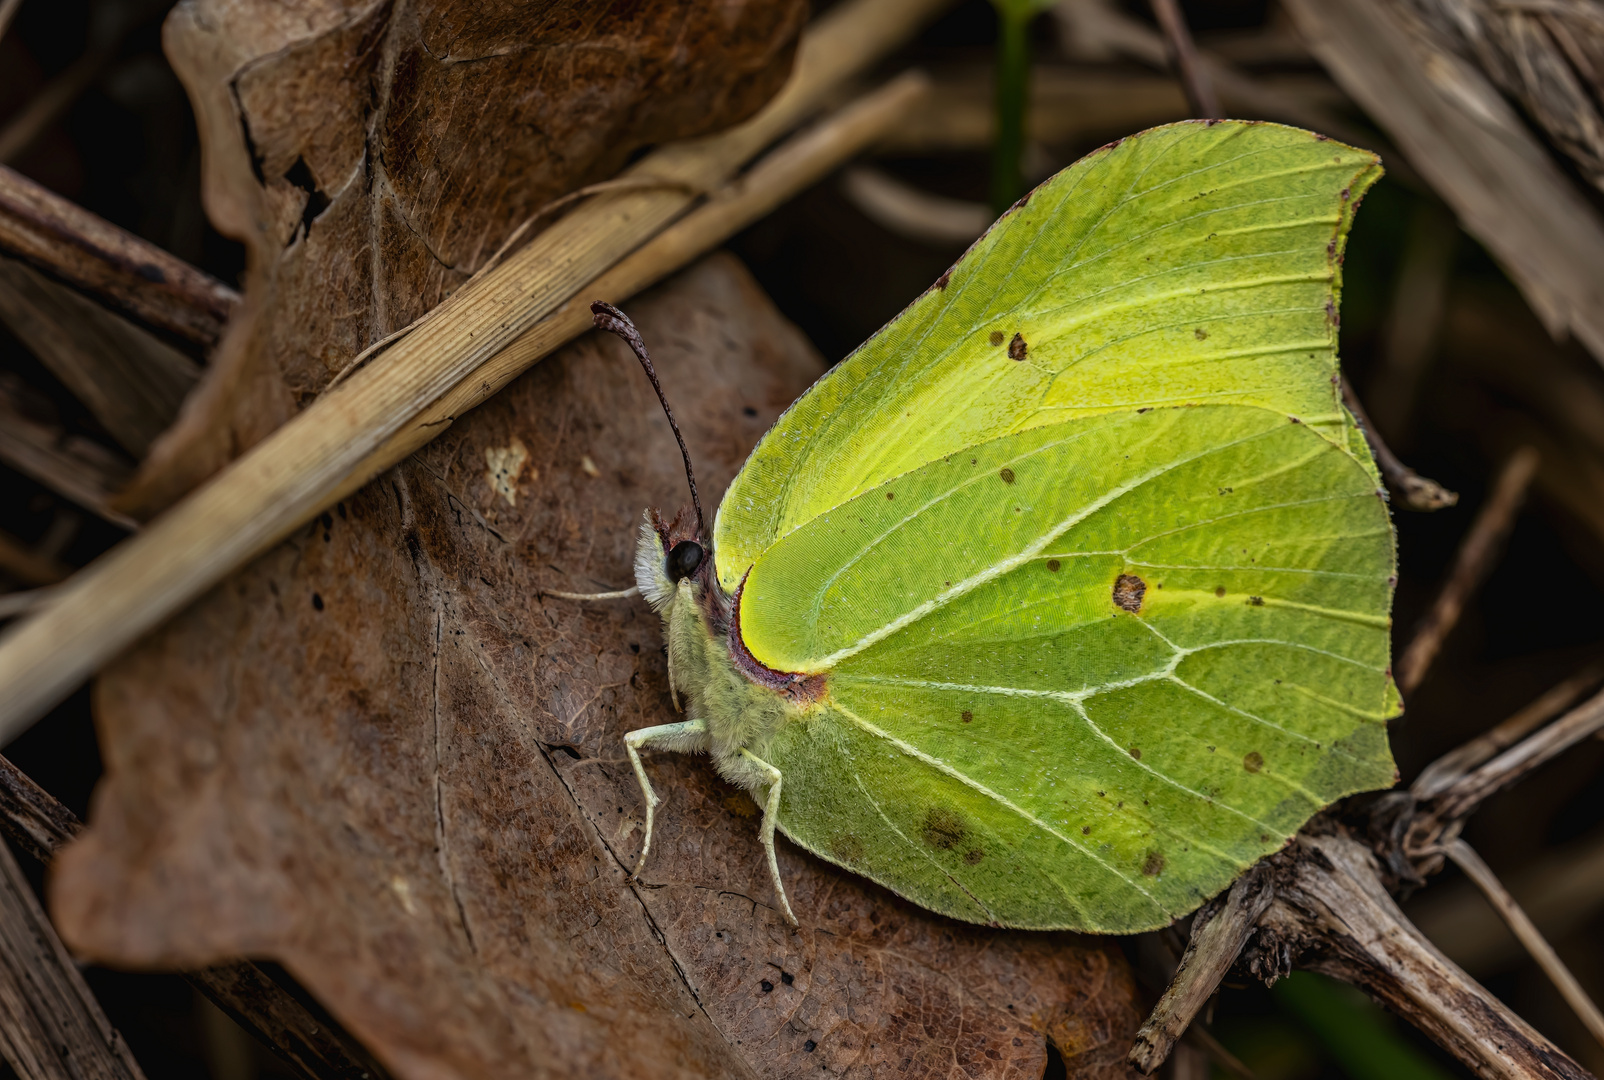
x=1126 y=656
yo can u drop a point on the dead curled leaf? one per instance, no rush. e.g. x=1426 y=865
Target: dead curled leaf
x=372 y=154
x=381 y=757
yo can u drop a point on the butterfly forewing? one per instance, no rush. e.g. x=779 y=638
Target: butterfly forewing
x=1193 y=263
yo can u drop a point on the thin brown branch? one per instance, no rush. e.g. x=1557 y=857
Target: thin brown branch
x=1465 y=857
x=1183 y=54
x=1477 y=553
x=1465 y=795
x=109 y=264
x=1561 y=890
x=76 y=468
x=54 y=99
x=29 y=567
x=39 y=825
x=489 y=333
x=1219 y=931
x=132 y=382
x=8 y=12
x=1474 y=148
x=1414 y=491
x=54 y=1028
x=1216 y=1050
x=1446 y=770
x=13 y=604
x=1332 y=914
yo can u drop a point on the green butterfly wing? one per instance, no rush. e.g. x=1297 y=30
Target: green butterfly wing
x=1198 y=262
x=1102 y=626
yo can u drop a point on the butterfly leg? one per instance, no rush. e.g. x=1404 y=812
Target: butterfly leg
x=771 y=811
x=687 y=737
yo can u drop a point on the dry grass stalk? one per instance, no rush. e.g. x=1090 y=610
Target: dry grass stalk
x=1477 y=554
x=130 y=380
x=1188 y=65
x=907 y=211
x=440 y=369
x=40 y=825
x=29 y=567
x=82 y=471
x=1441 y=774
x=1414 y=492
x=791 y=167
x=1475 y=151
x=1465 y=857
x=54 y=1028
x=126 y=273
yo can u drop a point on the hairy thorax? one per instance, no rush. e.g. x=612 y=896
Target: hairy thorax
x=711 y=674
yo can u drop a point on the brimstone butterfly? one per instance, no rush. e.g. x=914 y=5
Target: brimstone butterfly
x=1065 y=598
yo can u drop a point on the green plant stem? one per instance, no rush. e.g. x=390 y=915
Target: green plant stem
x=1013 y=83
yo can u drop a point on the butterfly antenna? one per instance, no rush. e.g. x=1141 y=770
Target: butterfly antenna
x=609 y=318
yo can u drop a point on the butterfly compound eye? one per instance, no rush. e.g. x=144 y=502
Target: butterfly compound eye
x=684 y=559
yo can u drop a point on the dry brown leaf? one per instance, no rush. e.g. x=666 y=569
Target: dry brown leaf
x=372 y=155
x=382 y=757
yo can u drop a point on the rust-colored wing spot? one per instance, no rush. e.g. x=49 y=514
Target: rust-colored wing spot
x=1017 y=348
x=943 y=828
x=1128 y=592
x=1253 y=762
x=997 y=337
x=1154 y=865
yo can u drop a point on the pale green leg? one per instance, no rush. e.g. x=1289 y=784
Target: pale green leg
x=687 y=737
x=771 y=811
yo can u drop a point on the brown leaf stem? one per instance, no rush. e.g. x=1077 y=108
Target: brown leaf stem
x=1219 y=932
x=1465 y=857
x=111 y=265
x=1414 y=491
x=1477 y=553
x=54 y=1028
x=1437 y=777
x=1183 y=54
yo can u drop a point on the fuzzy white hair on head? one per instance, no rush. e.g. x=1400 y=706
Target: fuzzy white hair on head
x=651 y=572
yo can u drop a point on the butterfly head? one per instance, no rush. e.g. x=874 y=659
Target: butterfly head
x=671 y=557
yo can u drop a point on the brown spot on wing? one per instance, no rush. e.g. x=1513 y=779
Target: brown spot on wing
x=1128 y=592
x=943 y=828
x=997 y=337
x=1253 y=762
x=1154 y=866
x=1017 y=348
